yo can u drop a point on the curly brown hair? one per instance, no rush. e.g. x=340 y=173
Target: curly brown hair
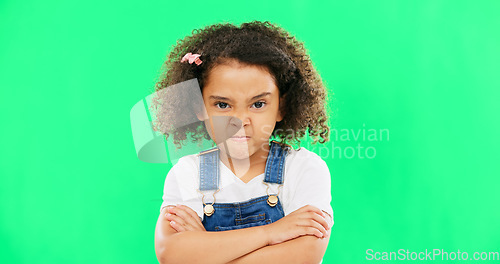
x=255 y=43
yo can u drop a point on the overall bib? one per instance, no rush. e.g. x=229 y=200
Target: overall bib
x=258 y=211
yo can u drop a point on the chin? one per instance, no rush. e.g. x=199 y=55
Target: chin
x=238 y=151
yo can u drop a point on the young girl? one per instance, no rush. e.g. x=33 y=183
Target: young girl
x=252 y=198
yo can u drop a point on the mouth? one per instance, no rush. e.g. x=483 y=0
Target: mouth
x=240 y=138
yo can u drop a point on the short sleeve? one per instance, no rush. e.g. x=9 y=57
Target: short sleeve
x=178 y=180
x=311 y=184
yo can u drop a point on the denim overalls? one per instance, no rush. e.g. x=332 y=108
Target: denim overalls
x=258 y=211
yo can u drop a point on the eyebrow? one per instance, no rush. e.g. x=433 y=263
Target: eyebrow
x=216 y=97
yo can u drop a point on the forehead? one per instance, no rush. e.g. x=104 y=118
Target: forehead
x=239 y=80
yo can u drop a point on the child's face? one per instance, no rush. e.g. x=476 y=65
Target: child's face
x=248 y=93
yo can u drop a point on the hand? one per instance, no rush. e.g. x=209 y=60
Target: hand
x=182 y=218
x=307 y=220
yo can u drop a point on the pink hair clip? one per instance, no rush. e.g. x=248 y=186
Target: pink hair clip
x=192 y=58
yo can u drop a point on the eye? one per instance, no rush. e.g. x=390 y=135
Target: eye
x=259 y=104
x=221 y=105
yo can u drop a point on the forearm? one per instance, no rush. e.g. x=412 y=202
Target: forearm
x=212 y=247
x=303 y=249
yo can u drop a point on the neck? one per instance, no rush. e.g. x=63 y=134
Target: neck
x=247 y=167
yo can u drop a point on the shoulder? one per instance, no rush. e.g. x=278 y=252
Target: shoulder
x=304 y=157
x=183 y=176
x=186 y=164
x=307 y=181
x=303 y=162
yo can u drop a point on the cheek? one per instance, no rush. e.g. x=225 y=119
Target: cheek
x=265 y=125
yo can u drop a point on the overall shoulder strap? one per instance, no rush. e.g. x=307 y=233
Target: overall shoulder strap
x=275 y=164
x=209 y=169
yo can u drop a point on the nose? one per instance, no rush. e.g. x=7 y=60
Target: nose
x=240 y=119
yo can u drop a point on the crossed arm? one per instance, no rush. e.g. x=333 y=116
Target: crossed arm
x=190 y=243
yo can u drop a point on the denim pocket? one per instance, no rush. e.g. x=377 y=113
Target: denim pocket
x=259 y=223
x=250 y=219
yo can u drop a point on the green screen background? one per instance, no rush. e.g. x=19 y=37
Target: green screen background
x=72 y=189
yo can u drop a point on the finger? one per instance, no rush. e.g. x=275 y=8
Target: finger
x=193 y=214
x=308 y=208
x=314 y=216
x=312 y=231
x=196 y=219
x=313 y=223
x=328 y=219
x=188 y=210
x=312 y=208
x=193 y=223
x=164 y=210
x=320 y=219
x=188 y=219
x=176 y=226
x=180 y=223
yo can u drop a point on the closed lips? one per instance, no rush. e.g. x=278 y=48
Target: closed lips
x=240 y=138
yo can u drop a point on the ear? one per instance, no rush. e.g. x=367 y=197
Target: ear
x=200 y=116
x=201 y=112
x=281 y=110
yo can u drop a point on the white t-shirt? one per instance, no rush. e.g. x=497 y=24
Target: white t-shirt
x=306 y=181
